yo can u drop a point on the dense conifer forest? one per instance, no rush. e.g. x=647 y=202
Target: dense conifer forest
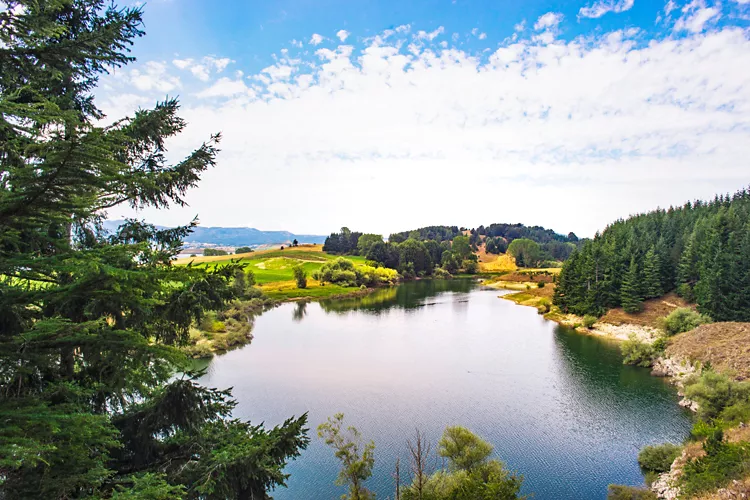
x=701 y=250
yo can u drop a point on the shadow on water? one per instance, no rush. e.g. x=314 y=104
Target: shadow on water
x=409 y=295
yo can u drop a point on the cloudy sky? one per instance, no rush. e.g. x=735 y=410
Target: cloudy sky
x=391 y=115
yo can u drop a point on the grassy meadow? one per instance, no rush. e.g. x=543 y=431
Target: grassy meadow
x=273 y=270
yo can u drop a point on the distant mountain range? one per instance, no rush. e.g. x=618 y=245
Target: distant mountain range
x=236 y=236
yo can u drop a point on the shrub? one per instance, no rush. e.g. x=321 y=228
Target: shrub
x=441 y=274
x=218 y=326
x=300 y=276
x=207 y=321
x=722 y=463
x=202 y=350
x=683 y=319
x=716 y=393
x=640 y=353
x=243 y=250
x=589 y=320
x=470 y=266
x=621 y=492
x=658 y=458
x=545 y=306
x=540 y=284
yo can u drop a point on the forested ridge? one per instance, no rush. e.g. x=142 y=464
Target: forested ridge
x=701 y=250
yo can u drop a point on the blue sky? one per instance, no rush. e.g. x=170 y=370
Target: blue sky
x=384 y=116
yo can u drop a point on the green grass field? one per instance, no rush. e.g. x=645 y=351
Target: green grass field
x=273 y=270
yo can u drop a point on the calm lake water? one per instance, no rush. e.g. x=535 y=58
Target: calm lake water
x=559 y=407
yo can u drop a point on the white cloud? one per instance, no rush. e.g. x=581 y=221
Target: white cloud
x=695 y=19
x=342 y=35
x=601 y=7
x=520 y=26
x=591 y=129
x=153 y=76
x=482 y=36
x=548 y=20
x=202 y=70
x=225 y=87
x=424 y=35
x=315 y=39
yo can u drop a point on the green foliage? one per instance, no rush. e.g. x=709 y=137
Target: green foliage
x=357 y=458
x=471 y=474
x=300 y=276
x=526 y=252
x=722 y=463
x=243 y=250
x=343 y=243
x=640 y=353
x=343 y=272
x=441 y=274
x=622 y=492
x=90 y=402
x=702 y=249
x=470 y=266
x=540 y=284
x=214 y=252
x=545 y=305
x=630 y=292
x=589 y=321
x=463 y=449
x=716 y=393
x=658 y=458
x=461 y=247
x=683 y=319
x=366 y=242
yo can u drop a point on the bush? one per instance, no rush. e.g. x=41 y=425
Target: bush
x=716 y=394
x=640 y=353
x=722 y=463
x=470 y=266
x=683 y=319
x=243 y=250
x=621 y=492
x=218 y=326
x=589 y=320
x=545 y=306
x=540 y=284
x=210 y=252
x=441 y=274
x=300 y=276
x=658 y=458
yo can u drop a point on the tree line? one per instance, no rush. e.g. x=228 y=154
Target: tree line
x=411 y=257
x=701 y=250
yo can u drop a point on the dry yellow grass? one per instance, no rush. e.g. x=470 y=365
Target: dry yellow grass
x=252 y=255
x=653 y=310
x=725 y=345
x=489 y=263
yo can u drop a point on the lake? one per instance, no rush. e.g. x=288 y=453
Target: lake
x=559 y=407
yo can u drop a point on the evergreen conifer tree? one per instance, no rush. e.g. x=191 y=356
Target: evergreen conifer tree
x=651 y=275
x=630 y=295
x=90 y=323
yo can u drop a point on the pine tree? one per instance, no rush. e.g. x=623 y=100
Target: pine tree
x=651 y=275
x=630 y=295
x=90 y=322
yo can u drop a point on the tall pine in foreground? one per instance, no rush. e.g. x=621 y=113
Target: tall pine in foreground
x=700 y=250
x=90 y=323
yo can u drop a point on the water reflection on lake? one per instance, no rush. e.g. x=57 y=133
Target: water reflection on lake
x=559 y=407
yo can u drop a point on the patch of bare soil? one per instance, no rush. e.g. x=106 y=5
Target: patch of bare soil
x=725 y=345
x=653 y=310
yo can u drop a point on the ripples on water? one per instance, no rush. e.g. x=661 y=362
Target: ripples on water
x=559 y=407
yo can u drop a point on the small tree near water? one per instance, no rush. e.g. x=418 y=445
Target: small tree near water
x=356 y=459
x=300 y=276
